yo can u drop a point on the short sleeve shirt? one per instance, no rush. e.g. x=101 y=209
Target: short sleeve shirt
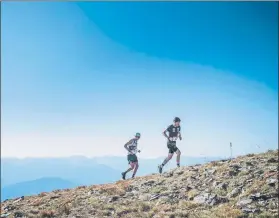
x=173 y=132
x=133 y=147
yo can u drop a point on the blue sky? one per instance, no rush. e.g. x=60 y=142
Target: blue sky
x=82 y=78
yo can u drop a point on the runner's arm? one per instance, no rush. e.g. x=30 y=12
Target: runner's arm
x=179 y=135
x=165 y=133
x=129 y=142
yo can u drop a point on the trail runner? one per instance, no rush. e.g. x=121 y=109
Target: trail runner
x=174 y=132
x=132 y=148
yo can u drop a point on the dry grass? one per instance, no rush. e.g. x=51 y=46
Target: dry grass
x=64 y=209
x=47 y=214
x=119 y=188
x=112 y=190
x=158 y=189
x=144 y=207
x=220 y=192
x=226 y=211
x=256 y=187
x=192 y=193
x=43 y=194
x=188 y=205
x=37 y=202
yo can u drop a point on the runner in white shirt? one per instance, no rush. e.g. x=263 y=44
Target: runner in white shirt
x=132 y=148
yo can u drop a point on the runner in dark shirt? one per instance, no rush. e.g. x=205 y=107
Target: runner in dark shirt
x=173 y=133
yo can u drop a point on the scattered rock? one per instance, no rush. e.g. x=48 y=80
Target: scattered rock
x=233 y=172
x=249 y=180
x=250 y=210
x=222 y=186
x=19 y=199
x=114 y=198
x=144 y=197
x=179 y=172
x=235 y=166
x=9 y=208
x=154 y=197
x=211 y=171
x=192 y=168
x=248 y=163
x=244 y=202
x=189 y=187
x=149 y=183
x=128 y=195
x=235 y=192
x=223 y=161
x=259 y=196
x=215 y=183
x=168 y=174
x=273 y=169
x=19 y=214
x=5 y=214
x=209 y=199
x=163 y=200
x=272 y=160
x=272 y=182
x=54 y=196
x=200 y=199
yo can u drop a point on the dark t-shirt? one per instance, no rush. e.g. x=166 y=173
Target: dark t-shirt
x=173 y=132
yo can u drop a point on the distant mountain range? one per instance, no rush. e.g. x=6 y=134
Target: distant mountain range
x=79 y=170
x=82 y=170
x=32 y=175
x=34 y=187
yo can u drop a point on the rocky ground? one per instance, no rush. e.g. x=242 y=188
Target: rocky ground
x=243 y=187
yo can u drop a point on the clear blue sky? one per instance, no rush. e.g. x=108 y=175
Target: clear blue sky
x=82 y=78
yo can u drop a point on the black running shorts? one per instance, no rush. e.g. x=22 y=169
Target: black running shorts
x=132 y=158
x=172 y=147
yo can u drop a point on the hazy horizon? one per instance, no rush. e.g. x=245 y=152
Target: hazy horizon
x=101 y=156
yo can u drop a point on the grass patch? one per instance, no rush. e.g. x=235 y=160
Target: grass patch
x=158 y=189
x=47 y=214
x=64 y=209
x=243 y=173
x=112 y=190
x=254 y=188
x=191 y=194
x=187 y=205
x=226 y=211
x=220 y=192
x=143 y=207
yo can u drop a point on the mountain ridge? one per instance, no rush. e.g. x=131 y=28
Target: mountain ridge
x=45 y=184
x=17 y=170
x=246 y=186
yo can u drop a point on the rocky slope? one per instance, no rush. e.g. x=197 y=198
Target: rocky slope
x=246 y=186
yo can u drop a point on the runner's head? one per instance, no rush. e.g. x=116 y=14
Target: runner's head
x=176 y=121
x=137 y=135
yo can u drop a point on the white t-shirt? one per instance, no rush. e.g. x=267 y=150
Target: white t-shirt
x=133 y=147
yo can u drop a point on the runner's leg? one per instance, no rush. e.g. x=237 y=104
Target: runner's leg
x=132 y=164
x=160 y=167
x=136 y=164
x=178 y=153
x=167 y=159
x=128 y=170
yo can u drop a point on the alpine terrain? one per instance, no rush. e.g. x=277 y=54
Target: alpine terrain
x=246 y=186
